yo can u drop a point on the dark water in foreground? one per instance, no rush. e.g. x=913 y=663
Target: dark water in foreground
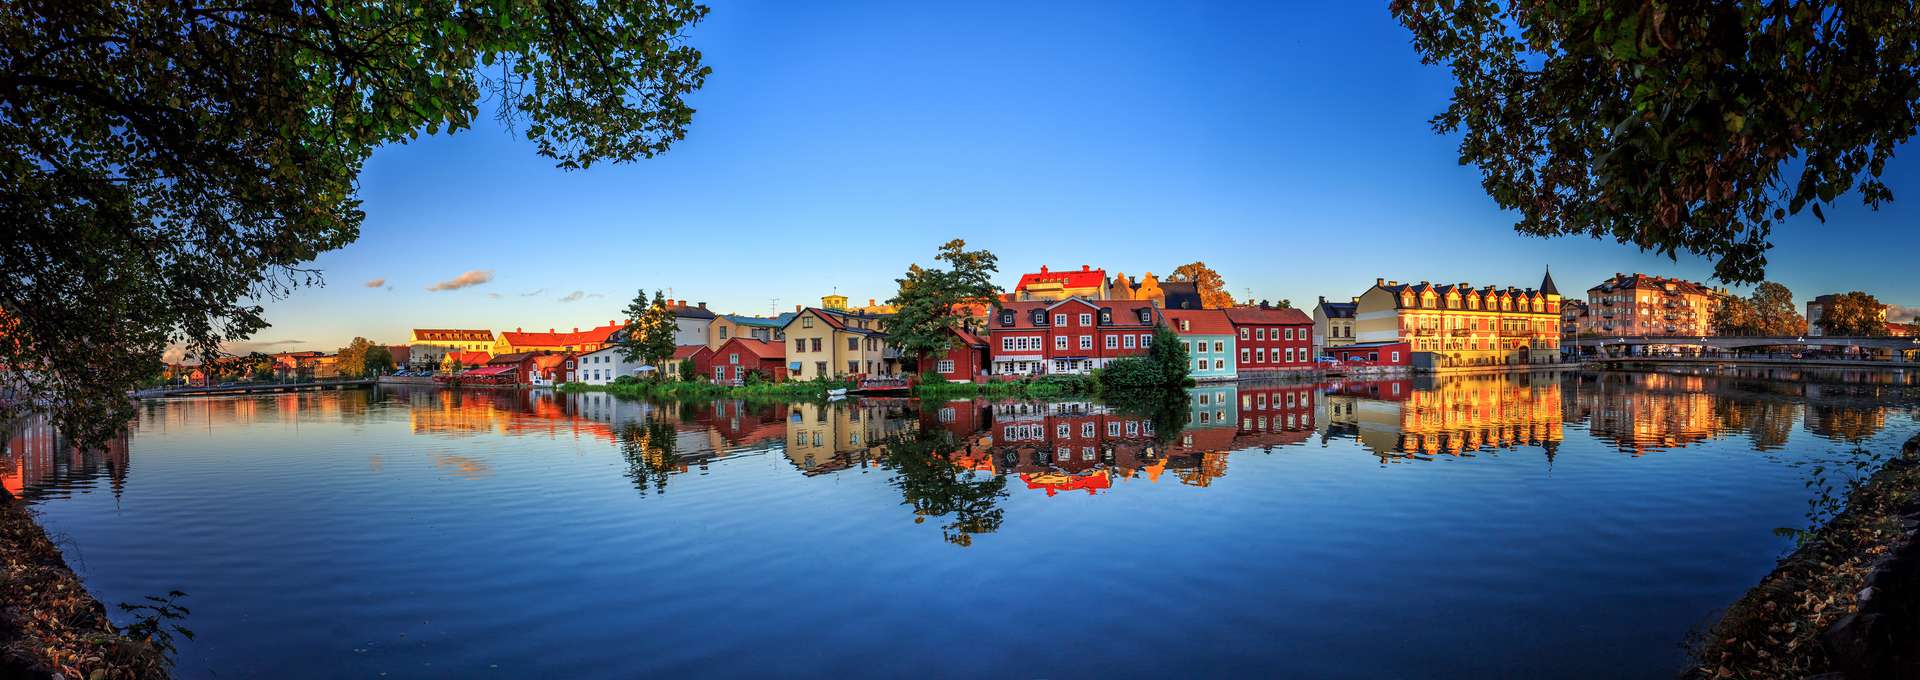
x=1544 y=526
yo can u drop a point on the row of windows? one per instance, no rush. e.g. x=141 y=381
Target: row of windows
x=1030 y=343
x=1259 y=355
x=1262 y=333
x=1200 y=346
x=1115 y=428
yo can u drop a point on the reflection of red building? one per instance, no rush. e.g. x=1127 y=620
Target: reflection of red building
x=36 y=456
x=1056 y=482
x=1275 y=415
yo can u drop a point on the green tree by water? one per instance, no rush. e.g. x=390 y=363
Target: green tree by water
x=648 y=335
x=167 y=165
x=1675 y=126
x=1854 y=314
x=1165 y=365
x=1769 y=311
x=930 y=300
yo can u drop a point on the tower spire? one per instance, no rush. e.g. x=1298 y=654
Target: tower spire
x=1546 y=284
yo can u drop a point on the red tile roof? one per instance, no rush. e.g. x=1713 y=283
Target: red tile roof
x=1087 y=277
x=968 y=338
x=592 y=336
x=1199 y=321
x=764 y=349
x=684 y=351
x=1255 y=316
x=469 y=358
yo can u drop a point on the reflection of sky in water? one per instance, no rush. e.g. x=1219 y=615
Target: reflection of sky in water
x=1484 y=525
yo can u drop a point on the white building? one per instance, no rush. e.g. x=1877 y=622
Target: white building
x=603 y=366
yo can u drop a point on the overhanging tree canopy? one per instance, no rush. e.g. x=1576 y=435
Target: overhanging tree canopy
x=164 y=165
x=1675 y=126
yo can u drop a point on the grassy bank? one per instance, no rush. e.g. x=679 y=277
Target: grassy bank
x=796 y=389
x=48 y=622
x=1785 y=626
x=1046 y=387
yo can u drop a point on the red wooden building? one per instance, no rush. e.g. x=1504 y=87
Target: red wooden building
x=1074 y=335
x=966 y=361
x=1272 y=339
x=731 y=362
x=1374 y=354
x=702 y=360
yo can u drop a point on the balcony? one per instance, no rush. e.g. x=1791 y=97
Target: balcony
x=1462 y=332
x=1426 y=331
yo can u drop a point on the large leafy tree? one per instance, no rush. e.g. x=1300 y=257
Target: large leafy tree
x=351 y=360
x=932 y=485
x=648 y=335
x=1675 y=126
x=1854 y=314
x=165 y=164
x=1212 y=288
x=1769 y=311
x=933 y=301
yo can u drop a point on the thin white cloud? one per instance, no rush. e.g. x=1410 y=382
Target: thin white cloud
x=376 y=283
x=1902 y=313
x=575 y=295
x=472 y=278
x=533 y=292
x=493 y=296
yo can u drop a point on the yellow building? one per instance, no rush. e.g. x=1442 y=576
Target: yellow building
x=827 y=343
x=1462 y=326
x=426 y=346
x=576 y=340
x=838 y=303
x=1333 y=324
x=1639 y=305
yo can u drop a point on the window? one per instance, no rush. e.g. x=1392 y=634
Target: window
x=1243 y=334
x=1260 y=334
x=853 y=344
x=1184 y=326
x=1128 y=341
x=806 y=322
x=945 y=366
x=1219 y=346
x=1086 y=319
x=1086 y=429
x=1260 y=355
x=1219 y=364
x=1113 y=429
x=1289 y=355
x=1289 y=334
x=1113 y=342
x=1199 y=364
x=1059 y=319
x=1086 y=342
x=1006 y=344
x=820 y=369
x=1006 y=317
x=816 y=344
x=853 y=367
x=1059 y=342
x=733 y=358
x=1396 y=356
x=1063 y=431
x=1246 y=355
x=723 y=332
x=1146 y=339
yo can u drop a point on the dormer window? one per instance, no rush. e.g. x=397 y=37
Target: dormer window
x=1146 y=315
x=1039 y=317
x=1106 y=316
x=1184 y=326
x=1006 y=317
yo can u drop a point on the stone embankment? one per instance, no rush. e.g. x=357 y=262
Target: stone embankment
x=1846 y=604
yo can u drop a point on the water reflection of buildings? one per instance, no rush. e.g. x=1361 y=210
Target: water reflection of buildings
x=37 y=461
x=1452 y=416
x=822 y=438
x=1653 y=411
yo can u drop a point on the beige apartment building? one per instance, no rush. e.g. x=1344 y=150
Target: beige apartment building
x=827 y=343
x=1639 y=305
x=1463 y=326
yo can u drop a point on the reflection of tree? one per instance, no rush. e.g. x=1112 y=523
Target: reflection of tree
x=1768 y=423
x=1846 y=423
x=648 y=449
x=1167 y=409
x=934 y=486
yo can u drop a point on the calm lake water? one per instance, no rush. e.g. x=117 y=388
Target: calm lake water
x=1559 y=525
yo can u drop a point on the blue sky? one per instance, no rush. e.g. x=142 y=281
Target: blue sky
x=1286 y=146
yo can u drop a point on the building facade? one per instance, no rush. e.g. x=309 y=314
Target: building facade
x=1071 y=336
x=518 y=340
x=1046 y=285
x=428 y=346
x=828 y=343
x=1638 y=305
x=731 y=364
x=691 y=323
x=1271 y=340
x=698 y=354
x=1210 y=342
x=1332 y=325
x=1460 y=325
x=964 y=361
x=729 y=326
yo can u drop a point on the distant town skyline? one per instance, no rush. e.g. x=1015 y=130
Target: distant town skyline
x=1288 y=148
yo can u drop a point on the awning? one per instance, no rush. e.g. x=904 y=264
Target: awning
x=490 y=370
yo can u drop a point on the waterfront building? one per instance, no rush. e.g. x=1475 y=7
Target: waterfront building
x=691 y=322
x=1332 y=324
x=1210 y=342
x=701 y=356
x=519 y=341
x=965 y=361
x=1386 y=353
x=1070 y=336
x=520 y=366
x=1573 y=317
x=729 y=326
x=1045 y=285
x=602 y=366
x=826 y=343
x=428 y=346
x=741 y=356
x=1271 y=339
x=1638 y=305
x=1459 y=325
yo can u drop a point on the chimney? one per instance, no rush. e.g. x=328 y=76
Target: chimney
x=1379 y=282
x=870 y=302
x=576 y=329
x=1043 y=269
x=516 y=329
x=550 y=330
x=703 y=305
x=1086 y=268
x=611 y=322
x=796 y=309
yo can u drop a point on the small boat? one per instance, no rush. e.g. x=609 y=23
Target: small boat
x=837 y=393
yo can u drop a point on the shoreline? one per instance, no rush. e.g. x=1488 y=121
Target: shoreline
x=1846 y=602
x=50 y=625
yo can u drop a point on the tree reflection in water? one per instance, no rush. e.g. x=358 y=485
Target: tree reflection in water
x=934 y=486
x=648 y=448
x=1167 y=408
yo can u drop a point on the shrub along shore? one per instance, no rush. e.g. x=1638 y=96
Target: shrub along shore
x=49 y=624
x=1847 y=601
